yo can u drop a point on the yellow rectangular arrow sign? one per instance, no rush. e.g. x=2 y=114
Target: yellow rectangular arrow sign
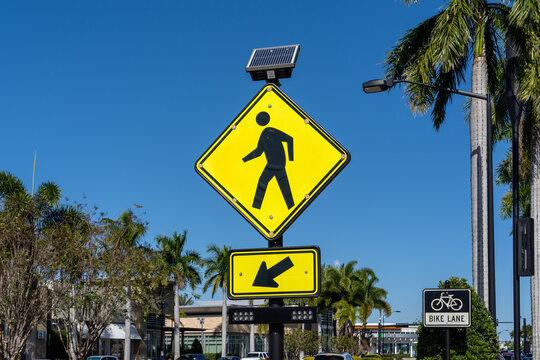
x=274 y=272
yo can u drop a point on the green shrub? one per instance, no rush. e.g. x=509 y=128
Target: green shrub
x=396 y=356
x=212 y=356
x=370 y=357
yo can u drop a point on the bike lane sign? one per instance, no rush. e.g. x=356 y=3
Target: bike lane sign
x=446 y=307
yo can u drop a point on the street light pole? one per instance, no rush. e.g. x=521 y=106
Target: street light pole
x=380 y=85
x=379 y=333
x=201 y=321
x=382 y=336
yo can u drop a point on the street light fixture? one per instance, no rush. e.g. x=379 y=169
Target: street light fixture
x=380 y=85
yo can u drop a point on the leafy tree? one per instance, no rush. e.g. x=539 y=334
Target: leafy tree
x=299 y=341
x=476 y=342
x=341 y=344
x=437 y=52
x=94 y=270
x=525 y=335
x=126 y=232
x=27 y=260
x=216 y=276
x=181 y=265
x=302 y=301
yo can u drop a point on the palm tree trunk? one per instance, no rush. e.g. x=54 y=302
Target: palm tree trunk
x=176 y=321
x=319 y=330
x=535 y=214
x=302 y=351
x=251 y=338
x=127 y=340
x=251 y=333
x=479 y=195
x=73 y=339
x=224 y=323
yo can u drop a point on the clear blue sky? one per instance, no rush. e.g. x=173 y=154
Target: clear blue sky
x=120 y=99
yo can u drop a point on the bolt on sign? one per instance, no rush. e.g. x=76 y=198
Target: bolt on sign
x=274 y=272
x=446 y=307
x=272 y=161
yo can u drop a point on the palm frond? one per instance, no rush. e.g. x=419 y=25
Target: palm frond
x=451 y=35
x=68 y=216
x=216 y=266
x=48 y=194
x=524 y=11
x=399 y=59
x=10 y=185
x=449 y=79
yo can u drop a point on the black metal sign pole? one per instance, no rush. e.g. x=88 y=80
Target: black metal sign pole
x=515 y=112
x=275 y=331
x=447 y=344
x=447 y=286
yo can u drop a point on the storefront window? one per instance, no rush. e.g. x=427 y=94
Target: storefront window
x=237 y=345
x=212 y=344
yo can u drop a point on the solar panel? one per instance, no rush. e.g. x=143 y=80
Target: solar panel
x=273 y=58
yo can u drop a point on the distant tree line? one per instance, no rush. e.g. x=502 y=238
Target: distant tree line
x=71 y=263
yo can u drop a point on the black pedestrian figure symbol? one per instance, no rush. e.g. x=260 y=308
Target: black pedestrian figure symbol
x=271 y=143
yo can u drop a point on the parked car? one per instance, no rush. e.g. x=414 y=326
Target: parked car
x=333 y=356
x=507 y=355
x=230 y=358
x=192 y=357
x=257 y=355
x=102 y=357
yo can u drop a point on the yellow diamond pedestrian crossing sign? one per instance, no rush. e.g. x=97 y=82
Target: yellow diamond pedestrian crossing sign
x=272 y=161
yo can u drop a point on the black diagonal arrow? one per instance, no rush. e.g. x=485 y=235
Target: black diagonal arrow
x=265 y=277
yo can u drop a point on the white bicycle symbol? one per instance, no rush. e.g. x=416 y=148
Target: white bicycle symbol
x=449 y=301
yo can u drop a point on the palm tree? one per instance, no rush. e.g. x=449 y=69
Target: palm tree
x=437 y=52
x=127 y=231
x=370 y=298
x=339 y=289
x=216 y=276
x=352 y=294
x=346 y=315
x=181 y=264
